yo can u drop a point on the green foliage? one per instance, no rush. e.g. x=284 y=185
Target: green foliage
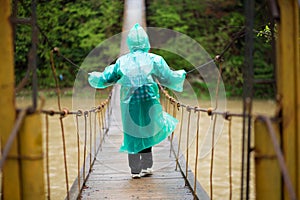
x=174 y=61
x=75 y=27
x=214 y=24
x=266 y=33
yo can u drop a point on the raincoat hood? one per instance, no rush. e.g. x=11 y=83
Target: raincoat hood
x=137 y=39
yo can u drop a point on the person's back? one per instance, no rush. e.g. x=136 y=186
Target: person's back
x=144 y=122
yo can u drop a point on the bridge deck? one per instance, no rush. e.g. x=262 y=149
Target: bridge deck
x=110 y=177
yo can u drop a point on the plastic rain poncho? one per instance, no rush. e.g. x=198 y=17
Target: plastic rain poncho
x=144 y=122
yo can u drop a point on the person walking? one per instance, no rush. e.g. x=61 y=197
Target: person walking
x=145 y=124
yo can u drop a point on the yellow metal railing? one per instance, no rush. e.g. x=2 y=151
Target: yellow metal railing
x=270 y=162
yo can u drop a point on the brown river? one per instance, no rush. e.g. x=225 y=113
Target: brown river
x=221 y=160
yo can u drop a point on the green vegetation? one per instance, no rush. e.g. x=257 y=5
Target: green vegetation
x=214 y=24
x=76 y=27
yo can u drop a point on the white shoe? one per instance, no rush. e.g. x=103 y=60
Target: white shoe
x=136 y=176
x=146 y=172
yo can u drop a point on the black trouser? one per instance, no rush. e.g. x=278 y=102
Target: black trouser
x=141 y=160
x=148 y=150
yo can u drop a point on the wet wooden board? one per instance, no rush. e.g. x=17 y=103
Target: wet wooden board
x=110 y=177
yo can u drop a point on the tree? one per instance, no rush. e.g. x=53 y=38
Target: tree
x=75 y=27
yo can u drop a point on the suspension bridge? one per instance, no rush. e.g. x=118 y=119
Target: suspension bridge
x=180 y=170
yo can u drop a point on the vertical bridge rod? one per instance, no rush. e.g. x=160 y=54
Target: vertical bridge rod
x=11 y=169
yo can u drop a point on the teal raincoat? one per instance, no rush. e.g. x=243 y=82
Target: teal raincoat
x=145 y=124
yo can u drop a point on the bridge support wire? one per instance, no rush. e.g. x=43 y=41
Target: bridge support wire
x=212 y=156
x=185 y=121
x=78 y=151
x=230 y=156
x=196 y=156
x=90 y=137
x=187 y=142
x=47 y=156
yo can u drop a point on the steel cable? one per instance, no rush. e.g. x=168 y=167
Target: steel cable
x=78 y=152
x=187 y=142
x=230 y=157
x=212 y=157
x=47 y=157
x=196 y=156
x=65 y=155
x=179 y=140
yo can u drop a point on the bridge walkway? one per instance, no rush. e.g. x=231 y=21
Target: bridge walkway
x=110 y=176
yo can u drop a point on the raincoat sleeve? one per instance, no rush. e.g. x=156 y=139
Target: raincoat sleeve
x=106 y=78
x=167 y=77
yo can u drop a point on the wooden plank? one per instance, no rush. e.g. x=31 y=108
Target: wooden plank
x=111 y=172
x=110 y=177
x=139 y=196
x=141 y=188
x=124 y=176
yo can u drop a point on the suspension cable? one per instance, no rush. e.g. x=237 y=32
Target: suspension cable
x=12 y=136
x=219 y=80
x=65 y=155
x=187 y=142
x=230 y=157
x=196 y=156
x=91 y=137
x=199 y=67
x=179 y=141
x=212 y=157
x=47 y=157
x=95 y=132
x=103 y=121
x=172 y=135
x=84 y=147
x=78 y=152
x=101 y=131
x=56 y=80
x=61 y=122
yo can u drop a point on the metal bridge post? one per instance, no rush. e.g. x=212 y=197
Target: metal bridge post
x=22 y=172
x=11 y=170
x=288 y=79
x=267 y=172
x=270 y=183
x=31 y=156
x=248 y=76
